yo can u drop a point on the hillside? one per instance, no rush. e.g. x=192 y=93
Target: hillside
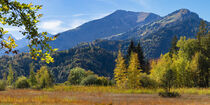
x=91 y=58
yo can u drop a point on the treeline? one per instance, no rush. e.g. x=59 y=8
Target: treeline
x=187 y=64
x=43 y=78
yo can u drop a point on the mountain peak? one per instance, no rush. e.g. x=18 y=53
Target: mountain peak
x=183 y=12
x=120 y=12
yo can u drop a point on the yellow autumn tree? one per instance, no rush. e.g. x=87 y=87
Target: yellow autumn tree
x=134 y=72
x=120 y=71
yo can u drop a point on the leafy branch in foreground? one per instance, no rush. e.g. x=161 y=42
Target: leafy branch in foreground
x=14 y=13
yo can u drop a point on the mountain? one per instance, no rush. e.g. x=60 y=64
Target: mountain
x=156 y=36
x=118 y=22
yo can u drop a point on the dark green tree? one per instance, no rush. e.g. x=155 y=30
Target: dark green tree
x=202 y=31
x=174 y=48
x=141 y=58
x=168 y=80
x=131 y=48
x=203 y=38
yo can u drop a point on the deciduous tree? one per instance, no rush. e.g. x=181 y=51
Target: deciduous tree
x=133 y=72
x=120 y=72
x=14 y=13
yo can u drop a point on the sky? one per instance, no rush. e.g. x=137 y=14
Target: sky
x=63 y=15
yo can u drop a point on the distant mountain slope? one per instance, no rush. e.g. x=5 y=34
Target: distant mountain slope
x=115 y=23
x=156 y=36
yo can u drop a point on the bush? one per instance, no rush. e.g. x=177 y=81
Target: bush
x=147 y=82
x=2 y=85
x=169 y=94
x=76 y=75
x=22 y=82
x=90 y=80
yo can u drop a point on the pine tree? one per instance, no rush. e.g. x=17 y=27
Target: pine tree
x=141 y=58
x=120 y=71
x=202 y=31
x=133 y=71
x=131 y=48
x=32 y=77
x=203 y=42
x=174 y=48
x=10 y=77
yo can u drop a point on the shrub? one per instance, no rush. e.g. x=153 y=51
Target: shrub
x=90 y=80
x=169 y=94
x=22 y=82
x=147 y=82
x=76 y=75
x=2 y=85
x=104 y=81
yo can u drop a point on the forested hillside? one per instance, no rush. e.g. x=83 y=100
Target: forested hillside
x=91 y=58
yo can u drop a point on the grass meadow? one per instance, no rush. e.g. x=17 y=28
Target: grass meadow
x=100 y=95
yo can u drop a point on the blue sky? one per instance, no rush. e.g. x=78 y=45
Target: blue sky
x=62 y=15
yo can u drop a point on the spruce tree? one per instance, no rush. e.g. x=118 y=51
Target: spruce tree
x=202 y=31
x=120 y=71
x=141 y=58
x=174 y=49
x=10 y=77
x=131 y=48
x=133 y=71
x=204 y=49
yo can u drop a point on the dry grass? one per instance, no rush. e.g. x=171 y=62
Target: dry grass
x=78 y=95
x=110 y=89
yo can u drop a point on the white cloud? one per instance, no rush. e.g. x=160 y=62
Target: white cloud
x=53 y=26
x=56 y=26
